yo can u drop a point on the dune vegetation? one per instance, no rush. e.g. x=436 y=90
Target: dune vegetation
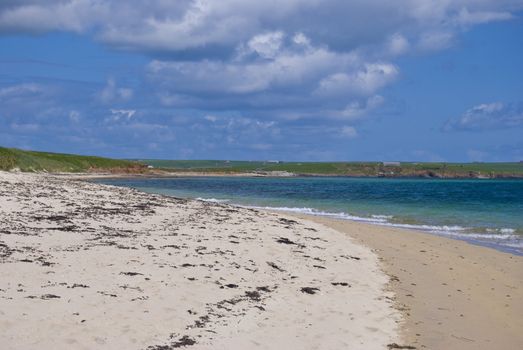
x=16 y=159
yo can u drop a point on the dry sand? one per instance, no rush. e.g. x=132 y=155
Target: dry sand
x=454 y=295
x=86 y=266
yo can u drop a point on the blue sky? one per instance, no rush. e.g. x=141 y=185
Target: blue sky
x=419 y=80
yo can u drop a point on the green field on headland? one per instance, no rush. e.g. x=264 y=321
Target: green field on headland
x=12 y=158
x=386 y=169
x=16 y=159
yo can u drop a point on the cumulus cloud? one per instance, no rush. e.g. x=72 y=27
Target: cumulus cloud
x=301 y=39
x=198 y=24
x=488 y=116
x=220 y=54
x=295 y=75
x=112 y=93
x=281 y=69
x=360 y=80
x=266 y=45
x=324 y=62
x=41 y=16
x=357 y=109
x=397 y=44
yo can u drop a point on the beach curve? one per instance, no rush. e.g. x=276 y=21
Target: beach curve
x=93 y=266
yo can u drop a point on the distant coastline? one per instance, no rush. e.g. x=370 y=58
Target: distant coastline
x=162 y=173
x=347 y=169
x=421 y=175
x=12 y=159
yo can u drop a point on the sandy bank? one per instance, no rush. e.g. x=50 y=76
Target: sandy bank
x=454 y=295
x=151 y=174
x=86 y=266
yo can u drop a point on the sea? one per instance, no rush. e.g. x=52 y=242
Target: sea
x=486 y=212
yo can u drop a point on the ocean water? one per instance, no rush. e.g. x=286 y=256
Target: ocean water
x=485 y=212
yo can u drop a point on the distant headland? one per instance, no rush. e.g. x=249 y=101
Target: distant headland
x=12 y=159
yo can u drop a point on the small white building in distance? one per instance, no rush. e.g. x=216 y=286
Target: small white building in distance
x=391 y=164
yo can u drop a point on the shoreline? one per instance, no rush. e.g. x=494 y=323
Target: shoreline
x=453 y=295
x=440 y=230
x=276 y=174
x=108 y=267
x=361 y=220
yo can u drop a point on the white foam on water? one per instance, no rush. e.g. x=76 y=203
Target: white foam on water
x=507 y=230
x=311 y=211
x=382 y=216
x=212 y=200
x=502 y=236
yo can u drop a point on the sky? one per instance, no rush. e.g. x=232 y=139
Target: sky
x=302 y=80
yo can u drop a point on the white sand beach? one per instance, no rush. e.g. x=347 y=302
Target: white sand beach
x=452 y=294
x=87 y=266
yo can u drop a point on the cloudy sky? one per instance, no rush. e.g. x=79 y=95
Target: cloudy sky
x=432 y=80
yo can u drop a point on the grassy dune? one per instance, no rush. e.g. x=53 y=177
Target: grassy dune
x=12 y=158
x=465 y=170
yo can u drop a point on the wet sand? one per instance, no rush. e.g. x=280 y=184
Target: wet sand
x=454 y=295
x=87 y=266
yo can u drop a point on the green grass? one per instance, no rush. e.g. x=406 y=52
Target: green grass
x=12 y=158
x=344 y=168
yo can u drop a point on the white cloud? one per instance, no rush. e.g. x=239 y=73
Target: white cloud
x=29 y=99
x=20 y=90
x=159 y=25
x=349 y=132
x=364 y=80
x=74 y=116
x=397 y=44
x=265 y=125
x=266 y=45
x=42 y=16
x=309 y=59
x=471 y=18
x=488 y=116
x=286 y=68
x=211 y=118
x=121 y=115
x=287 y=76
x=356 y=109
x=236 y=130
x=112 y=93
x=301 y=39
x=437 y=40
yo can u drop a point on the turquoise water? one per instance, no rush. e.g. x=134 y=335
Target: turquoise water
x=486 y=212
